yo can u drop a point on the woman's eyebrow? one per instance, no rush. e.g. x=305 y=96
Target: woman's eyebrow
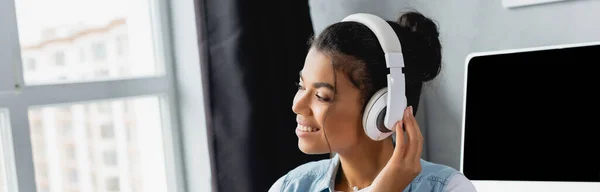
x=318 y=84
x=322 y=84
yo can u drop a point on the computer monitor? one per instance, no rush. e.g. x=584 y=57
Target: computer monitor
x=531 y=119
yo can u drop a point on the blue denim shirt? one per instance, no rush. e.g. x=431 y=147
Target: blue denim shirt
x=319 y=176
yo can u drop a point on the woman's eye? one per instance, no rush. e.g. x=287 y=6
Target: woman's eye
x=325 y=99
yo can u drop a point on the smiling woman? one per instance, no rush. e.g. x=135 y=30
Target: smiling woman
x=344 y=68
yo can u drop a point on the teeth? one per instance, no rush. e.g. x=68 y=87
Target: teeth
x=307 y=129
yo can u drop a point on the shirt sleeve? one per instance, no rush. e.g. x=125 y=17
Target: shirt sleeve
x=277 y=186
x=459 y=183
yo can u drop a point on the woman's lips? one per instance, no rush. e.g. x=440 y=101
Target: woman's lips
x=303 y=125
x=303 y=129
x=307 y=128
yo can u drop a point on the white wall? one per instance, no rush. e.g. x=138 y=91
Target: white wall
x=468 y=26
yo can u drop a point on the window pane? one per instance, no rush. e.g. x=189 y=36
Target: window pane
x=65 y=41
x=113 y=145
x=3 y=126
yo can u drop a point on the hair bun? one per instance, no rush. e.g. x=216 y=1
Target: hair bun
x=417 y=23
x=421 y=36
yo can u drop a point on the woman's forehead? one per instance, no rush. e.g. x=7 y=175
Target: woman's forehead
x=317 y=67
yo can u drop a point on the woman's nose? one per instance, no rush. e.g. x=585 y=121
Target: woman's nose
x=301 y=104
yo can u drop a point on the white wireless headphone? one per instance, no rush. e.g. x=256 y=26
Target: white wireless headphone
x=387 y=105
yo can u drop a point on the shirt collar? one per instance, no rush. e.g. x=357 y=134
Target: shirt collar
x=327 y=181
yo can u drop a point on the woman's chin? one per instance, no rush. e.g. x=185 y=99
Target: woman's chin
x=311 y=148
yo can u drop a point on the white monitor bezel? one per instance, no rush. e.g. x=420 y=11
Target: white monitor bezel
x=515 y=186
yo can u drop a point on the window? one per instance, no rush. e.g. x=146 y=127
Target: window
x=70 y=152
x=41 y=171
x=104 y=108
x=110 y=157
x=58 y=103
x=107 y=131
x=82 y=55
x=44 y=188
x=101 y=73
x=112 y=184
x=73 y=176
x=35 y=121
x=30 y=64
x=94 y=182
x=101 y=33
x=99 y=51
x=59 y=58
x=108 y=142
x=65 y=127
x=121 y=43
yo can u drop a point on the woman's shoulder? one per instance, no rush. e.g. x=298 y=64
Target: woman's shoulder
x=436 y=169
x=443 y=175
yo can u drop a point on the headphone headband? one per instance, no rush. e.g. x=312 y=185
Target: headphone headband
x=385 y=35
x=394 y=109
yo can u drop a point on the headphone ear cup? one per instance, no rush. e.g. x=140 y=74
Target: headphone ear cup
x=381 y=121
x=374 y=116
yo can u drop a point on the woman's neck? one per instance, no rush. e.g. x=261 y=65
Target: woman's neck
x=361 y=164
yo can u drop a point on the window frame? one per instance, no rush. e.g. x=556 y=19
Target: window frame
x=7 y=149
x=184 y=138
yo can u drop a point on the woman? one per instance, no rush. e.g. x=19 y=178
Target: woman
x=329 y=108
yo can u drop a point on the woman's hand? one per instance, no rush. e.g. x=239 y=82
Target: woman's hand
x=405 y=163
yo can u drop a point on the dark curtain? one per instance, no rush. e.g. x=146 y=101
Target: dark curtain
x=252 y=52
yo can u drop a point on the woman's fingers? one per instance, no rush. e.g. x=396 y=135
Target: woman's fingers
x=415 y=139
x=419 y=135
x=400 y=148
x=407 y=152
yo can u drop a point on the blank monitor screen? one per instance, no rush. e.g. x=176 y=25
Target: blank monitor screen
x=533 y=116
